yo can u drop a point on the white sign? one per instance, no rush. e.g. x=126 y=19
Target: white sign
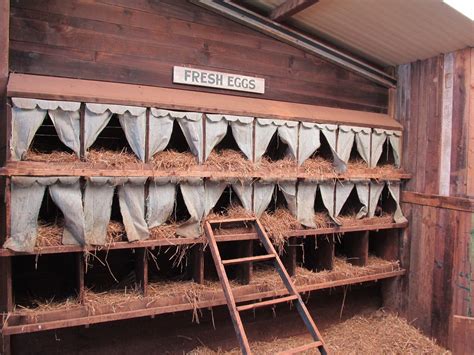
x=214 y=79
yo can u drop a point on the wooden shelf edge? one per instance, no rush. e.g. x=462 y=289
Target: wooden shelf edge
x=212 y=302
x=56 y=88
x=145 y=170
x=191 y=241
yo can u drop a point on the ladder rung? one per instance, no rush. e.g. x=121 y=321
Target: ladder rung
x=231 y=220
x=247 y=307
x=248 y=259
x=315 y=344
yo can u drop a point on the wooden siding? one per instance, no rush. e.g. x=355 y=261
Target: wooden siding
x=139 y=41
x=436 y=245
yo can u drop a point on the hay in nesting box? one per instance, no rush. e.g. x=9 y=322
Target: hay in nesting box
x=318 y=166
x=165 y=231
x=49 y=234
x=322 y=220
x=359 y=166
x=171 y=159
x=283 y=166
x=229 y=160
x=375 y=333
x=115 y=232
x=112 y=298
x=351 y=220
x=234 y=211
x=53 y=157
x=111 y=158
x=277 y=224
x=38 y=306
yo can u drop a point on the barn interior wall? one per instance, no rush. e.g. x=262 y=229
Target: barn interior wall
x=139 y=42
x=433 y=103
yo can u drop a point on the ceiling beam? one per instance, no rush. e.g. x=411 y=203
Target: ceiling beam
x=289 y=8
x=230 y=9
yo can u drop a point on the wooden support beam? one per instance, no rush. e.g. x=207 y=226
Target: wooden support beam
x=141 y=269
x=197 y=264
x=245 y=271
x=4 y=70
x=289 y=8
x=80 y=271
x=447 y=202
x=289 y=257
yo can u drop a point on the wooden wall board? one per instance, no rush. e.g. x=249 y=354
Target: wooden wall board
x=139 y=42
x=435 y=247
x=54 y=88
x=448 y=202
x=463 y=341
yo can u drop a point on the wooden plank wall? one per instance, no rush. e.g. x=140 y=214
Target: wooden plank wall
x=436 y=245
x=139 y=42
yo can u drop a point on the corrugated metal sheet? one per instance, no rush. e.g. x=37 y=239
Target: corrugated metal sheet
x=388 y=32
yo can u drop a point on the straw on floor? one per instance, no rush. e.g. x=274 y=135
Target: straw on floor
x=376 y=333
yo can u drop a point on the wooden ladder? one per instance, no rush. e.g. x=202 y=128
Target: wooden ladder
x=293 y=294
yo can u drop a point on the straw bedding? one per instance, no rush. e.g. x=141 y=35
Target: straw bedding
x=53 y=157
x=351 y=220
x=173 y=160
x=51 y=234
x=94 y=157
x=229 y=160
x=375 y=333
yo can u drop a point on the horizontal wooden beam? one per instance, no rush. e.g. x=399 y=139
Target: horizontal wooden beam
x=70 y=318
x=151 y=243
x=28 y=168
x=290 y=8
x=446 y=202
x=54 y=88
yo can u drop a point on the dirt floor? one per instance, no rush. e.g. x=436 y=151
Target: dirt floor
x=359 y=328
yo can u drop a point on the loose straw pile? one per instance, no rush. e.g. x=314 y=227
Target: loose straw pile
x=376 y=333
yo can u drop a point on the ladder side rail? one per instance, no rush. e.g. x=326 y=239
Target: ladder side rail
x=237 y=322
x=300 y=306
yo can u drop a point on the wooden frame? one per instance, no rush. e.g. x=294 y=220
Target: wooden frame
x=54 y=88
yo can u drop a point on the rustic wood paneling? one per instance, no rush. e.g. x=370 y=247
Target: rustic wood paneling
x=139 y=42
x=436 y=246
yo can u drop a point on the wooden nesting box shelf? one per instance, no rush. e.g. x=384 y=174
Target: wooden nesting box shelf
x=26 y=168
x=194 y=241
x=20 y=322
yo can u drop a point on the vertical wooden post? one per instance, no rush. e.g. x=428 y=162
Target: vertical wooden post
x=324 y=253
x=147 y=136
x=82 y=137
x=141 y=269
x=80 y=270
x=245 y=270
x=356 y=247
x=289 y=258
x=197 y=264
